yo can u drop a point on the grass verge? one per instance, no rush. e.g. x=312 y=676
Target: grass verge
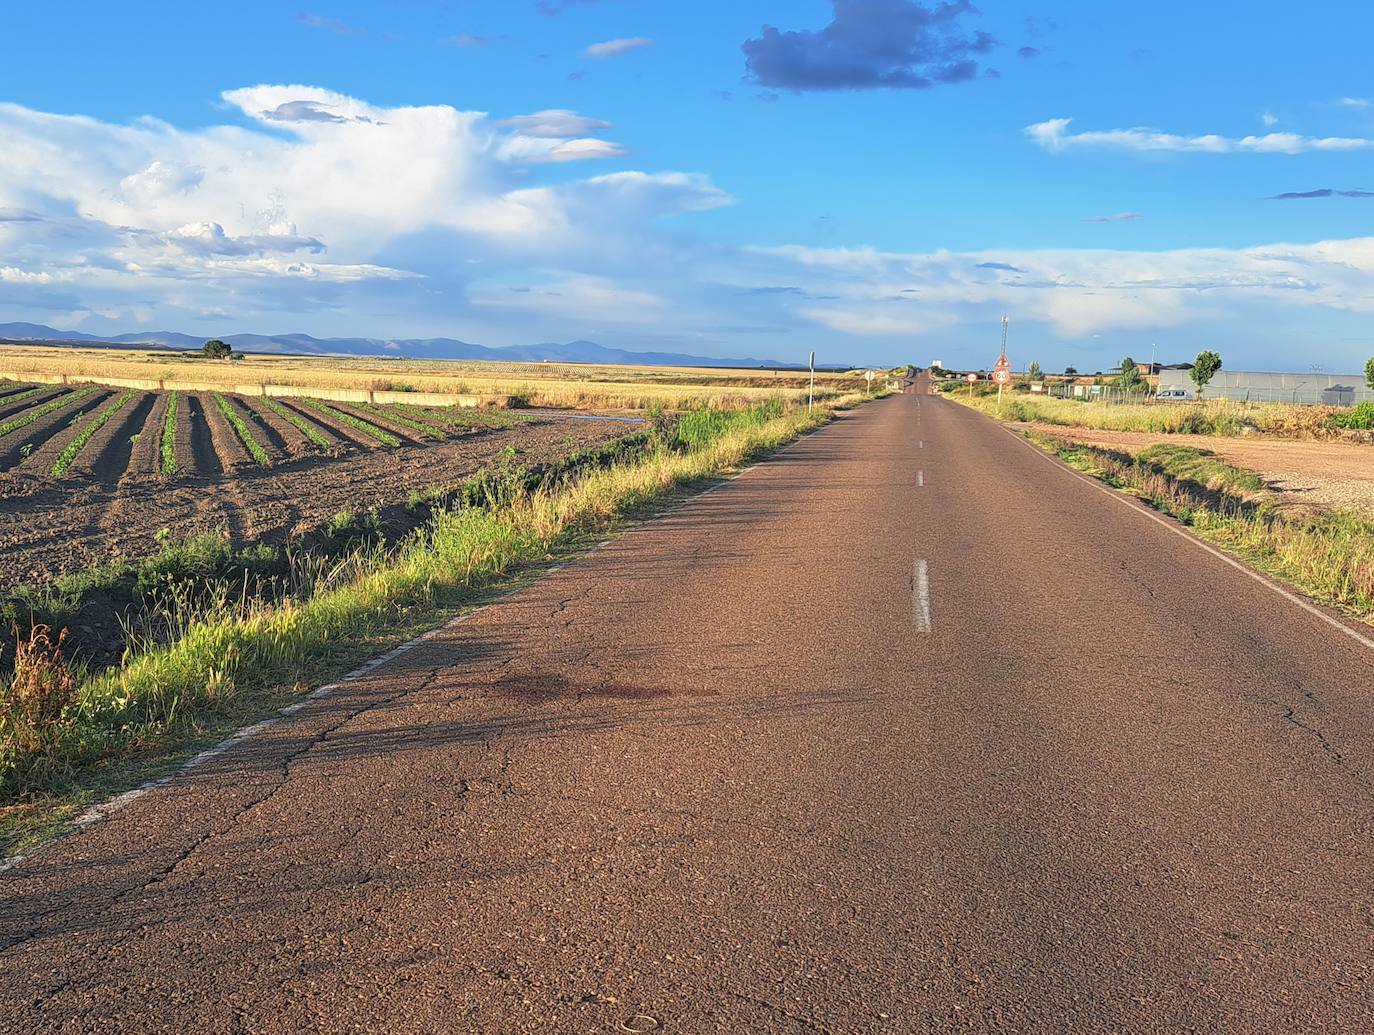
x=241 y=429
x=64 y=742
x=73 y=448
x=1216 y=417
x=1329 y=555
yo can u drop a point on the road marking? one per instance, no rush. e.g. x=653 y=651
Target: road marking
x=921 y=444
x=920 y=597
x=1178 y=530
x=920 y=477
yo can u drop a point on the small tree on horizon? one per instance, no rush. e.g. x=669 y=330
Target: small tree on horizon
x=216 y=349
x=1070 y=371
x=1130 y=378
x=1369 y=372
x=1205 y=368
x=1034 y=373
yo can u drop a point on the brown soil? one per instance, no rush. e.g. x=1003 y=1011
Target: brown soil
x=48 y=435
x=113 y=502
x=1315 y=473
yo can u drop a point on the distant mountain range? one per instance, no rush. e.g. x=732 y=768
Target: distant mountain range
x=416 y=348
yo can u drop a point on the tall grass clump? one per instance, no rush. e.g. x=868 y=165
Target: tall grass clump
x=26 y=418
x=168 y=462
x=313 y=434
x=369 y=429
x=102 y=417
x=247 y=646
x=241 y=429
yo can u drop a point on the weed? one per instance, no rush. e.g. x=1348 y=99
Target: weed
x=241 y=429
x=65 y=458
x=39 y=691
x=1359 y=417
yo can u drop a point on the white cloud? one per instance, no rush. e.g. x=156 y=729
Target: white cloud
x=554 y=122
x=1053 y=135
x=1269 y=119
x=1355 y=102
x=612 y=48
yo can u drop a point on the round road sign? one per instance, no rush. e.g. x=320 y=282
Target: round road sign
x=1002 y=377
x=970 y=378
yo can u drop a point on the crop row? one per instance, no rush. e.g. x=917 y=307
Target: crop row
x=94 y=424
x=310 y=431
x=29 y=416
x=168 y=462
x=386 y=438
x=236 y=421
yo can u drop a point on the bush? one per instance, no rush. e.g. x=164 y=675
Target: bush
x=1359 y=417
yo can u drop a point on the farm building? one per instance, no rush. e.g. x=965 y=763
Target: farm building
x=1259 y=386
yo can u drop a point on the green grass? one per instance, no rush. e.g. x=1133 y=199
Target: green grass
x=386 y=438
x=1360 y=417
x=168 y=464
x=240 y=426
x=26 y=418
x=428 y=430
x=310 y=431
x=101 y=418
x=242 y=653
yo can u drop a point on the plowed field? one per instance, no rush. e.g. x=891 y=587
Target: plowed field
x=258 y=469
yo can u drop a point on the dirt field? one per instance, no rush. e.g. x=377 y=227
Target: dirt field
x=112 y=499
x=1320 y=474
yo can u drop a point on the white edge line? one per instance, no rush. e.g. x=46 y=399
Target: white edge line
x=1178 y=530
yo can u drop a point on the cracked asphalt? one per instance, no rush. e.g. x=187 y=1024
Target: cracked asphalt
x=715 y=777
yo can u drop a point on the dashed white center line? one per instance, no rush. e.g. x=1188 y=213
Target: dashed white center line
x=920 y=477
x=920 y=597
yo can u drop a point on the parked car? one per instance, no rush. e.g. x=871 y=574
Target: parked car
x=1174 y=394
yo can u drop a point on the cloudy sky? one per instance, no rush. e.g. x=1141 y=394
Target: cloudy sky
x=876 y=179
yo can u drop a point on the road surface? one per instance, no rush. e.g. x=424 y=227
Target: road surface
x=907 y=729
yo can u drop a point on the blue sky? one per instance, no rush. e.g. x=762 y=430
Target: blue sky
x=876 y=179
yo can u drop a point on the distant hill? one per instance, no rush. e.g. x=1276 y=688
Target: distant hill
x=416 y=348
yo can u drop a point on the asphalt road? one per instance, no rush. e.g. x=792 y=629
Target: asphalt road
x=907 y=729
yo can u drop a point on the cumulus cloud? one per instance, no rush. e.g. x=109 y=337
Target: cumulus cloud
x=613 y=48
x=871 y=44
x=1054 y=135
x=418 y=220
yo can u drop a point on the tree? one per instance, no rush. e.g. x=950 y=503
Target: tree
x=1205 y=368
x=1130 y=378
x=1033 y=371
x=1070 y=372
x=1369 y=372
x=216 y=349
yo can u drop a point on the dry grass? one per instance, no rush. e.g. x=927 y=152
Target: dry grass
x=562 y=385
x=1215 y=417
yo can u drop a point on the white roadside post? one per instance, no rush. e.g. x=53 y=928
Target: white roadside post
x=868 y=376
x=811 y=392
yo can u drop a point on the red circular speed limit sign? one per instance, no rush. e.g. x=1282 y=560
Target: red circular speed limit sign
x=1002 y=377
x=970 y=378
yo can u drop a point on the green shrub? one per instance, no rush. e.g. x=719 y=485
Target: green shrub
x=1359 y=417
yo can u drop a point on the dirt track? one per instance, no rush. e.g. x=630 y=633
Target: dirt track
x=113 y=502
